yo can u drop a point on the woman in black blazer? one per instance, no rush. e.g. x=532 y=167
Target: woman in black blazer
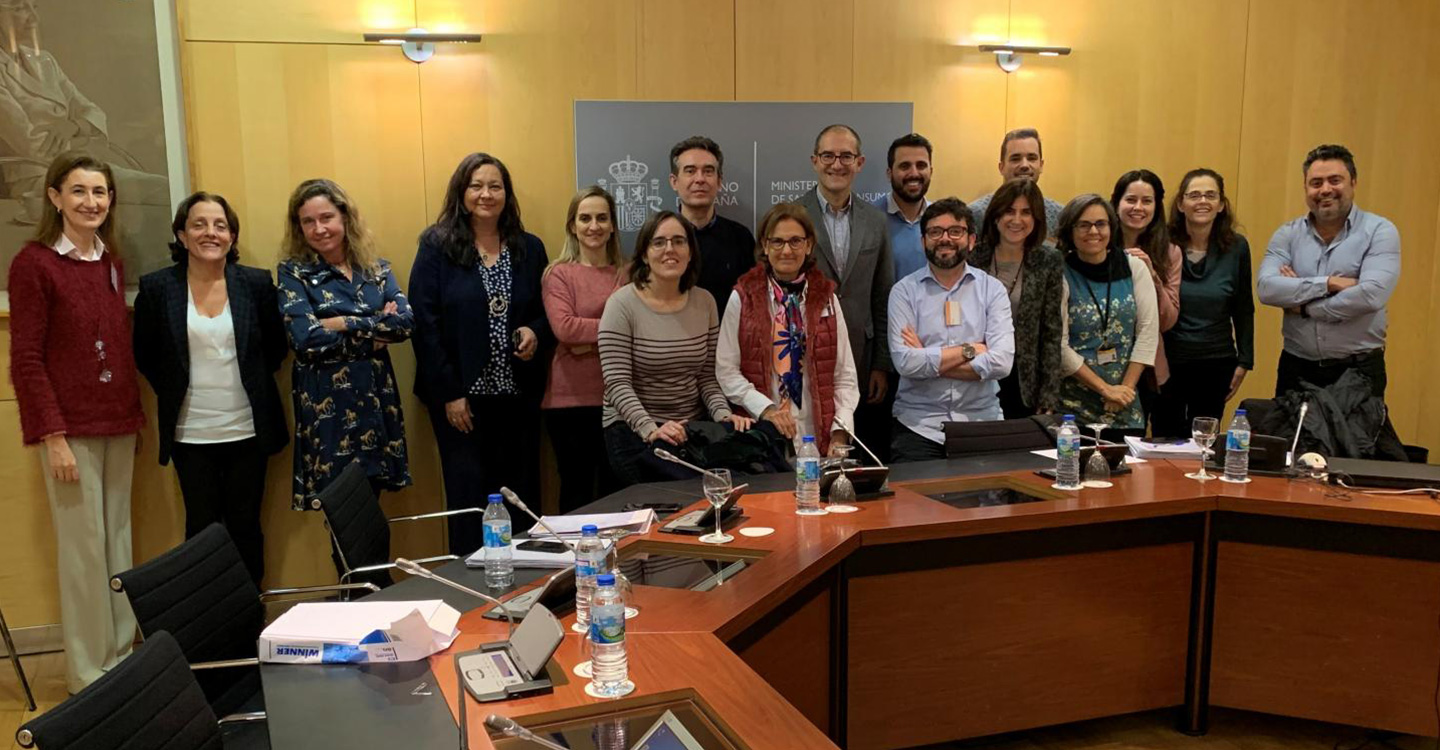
x=480 y=334
x=209 y=338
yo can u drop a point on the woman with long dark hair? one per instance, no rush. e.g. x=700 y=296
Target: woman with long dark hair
x=1211 y=347
x=480 y=324
x=1110 y=319
x=1012 y=248
x=79 y=398
x=209 y=338
x=1139 y=201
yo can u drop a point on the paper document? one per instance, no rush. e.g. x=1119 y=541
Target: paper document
x=524 y=558
x=359 y=632
x=1162 y=448
x=1050 y=454
x=637 y=521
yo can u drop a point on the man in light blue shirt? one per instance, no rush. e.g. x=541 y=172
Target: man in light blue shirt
x=951 y=337
x=909 y=170
x=1333 y=271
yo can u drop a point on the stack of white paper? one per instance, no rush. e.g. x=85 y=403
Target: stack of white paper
x=637 y=521
x=359 y=632
x=1050 y=453
x=1163 y=448
x=525 y=558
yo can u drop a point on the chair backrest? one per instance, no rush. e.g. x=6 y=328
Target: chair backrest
x=201 y=593
x=148 y=701
x=358 y=525
x=978 y=438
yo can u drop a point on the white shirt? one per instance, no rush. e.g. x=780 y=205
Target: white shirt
x=216 y=408
x=65 y=247
x=740 y=391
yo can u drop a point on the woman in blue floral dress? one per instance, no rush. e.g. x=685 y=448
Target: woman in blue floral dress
x=342 y=306
x=1112 y=324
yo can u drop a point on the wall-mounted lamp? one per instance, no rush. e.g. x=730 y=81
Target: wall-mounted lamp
x=417 y=44
x=1007 y=56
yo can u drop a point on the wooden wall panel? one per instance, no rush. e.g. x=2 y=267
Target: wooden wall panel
x=686 y=50
x=1366 y=80
x=305 y=21
x=927 y=55
x=802 y=50
x=1154 y=85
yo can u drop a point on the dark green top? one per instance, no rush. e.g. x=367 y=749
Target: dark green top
x=1217 y=311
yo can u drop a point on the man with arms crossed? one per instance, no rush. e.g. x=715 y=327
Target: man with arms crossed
x=951 y=337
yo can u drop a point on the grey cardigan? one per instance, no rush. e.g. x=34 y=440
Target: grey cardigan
x=1038 y=319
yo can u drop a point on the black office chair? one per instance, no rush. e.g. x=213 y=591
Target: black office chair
x=359 y=529
x=201 y=595
x=149 y=701
x=1004 y=436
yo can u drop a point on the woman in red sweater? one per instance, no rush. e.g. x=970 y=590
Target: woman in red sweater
x=74 y=375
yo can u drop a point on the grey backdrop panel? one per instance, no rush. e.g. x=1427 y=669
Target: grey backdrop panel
x=625 y=147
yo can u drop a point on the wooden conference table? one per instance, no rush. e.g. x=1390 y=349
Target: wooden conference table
x=913 y=622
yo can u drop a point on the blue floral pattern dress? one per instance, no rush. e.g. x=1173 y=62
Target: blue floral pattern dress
x=347 y=405
x=1102 y=316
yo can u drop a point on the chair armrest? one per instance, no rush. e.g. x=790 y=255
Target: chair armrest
x=225 y=664
x=372 y=588
x=242 y=718
x=440 y=514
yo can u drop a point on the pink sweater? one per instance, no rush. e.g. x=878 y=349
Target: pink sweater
x=574 y=296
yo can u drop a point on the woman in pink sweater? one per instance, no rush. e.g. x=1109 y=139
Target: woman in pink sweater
x=79 y=399
x=574 y=289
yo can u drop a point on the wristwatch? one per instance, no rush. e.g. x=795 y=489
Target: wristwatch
x=968 y=350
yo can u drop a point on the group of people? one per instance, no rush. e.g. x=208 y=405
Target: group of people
x=836 y=318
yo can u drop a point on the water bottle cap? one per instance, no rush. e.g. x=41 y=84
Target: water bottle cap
x=1239 y=412
x=1069 y=418
x=495 y=499
x=808 y=439
x=590 y=529
x=605 y=579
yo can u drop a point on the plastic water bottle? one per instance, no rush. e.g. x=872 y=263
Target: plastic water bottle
x=608 y=665
x=499 y=557
x=1237 y=448
x=589 y=561
x=807 y=478
x=1067 y=455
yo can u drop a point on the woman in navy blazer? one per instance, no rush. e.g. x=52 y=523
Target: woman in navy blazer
x=209 y=338
x=480 y=337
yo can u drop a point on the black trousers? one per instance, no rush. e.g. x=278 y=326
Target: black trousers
x=633 y=460
x=580 y=455
x=1325 y=372
x=224 y=483
x=1012 y=404
x=873 y=421
x=503 y=450
x=909 y=445
x=1196 y=388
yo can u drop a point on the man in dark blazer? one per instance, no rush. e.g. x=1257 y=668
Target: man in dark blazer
x=855 y=254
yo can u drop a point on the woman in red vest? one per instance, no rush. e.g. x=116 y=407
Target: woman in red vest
x=784 y=354
x=79 y=400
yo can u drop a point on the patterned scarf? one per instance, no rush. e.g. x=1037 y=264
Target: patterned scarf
x=789 y=328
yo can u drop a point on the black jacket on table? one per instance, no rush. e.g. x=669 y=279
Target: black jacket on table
x=452 y=321
x=162 y=347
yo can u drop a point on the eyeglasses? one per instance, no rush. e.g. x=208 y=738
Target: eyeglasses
x=1084 y=227
x=1196 y=195
x=954 y=233
x=778 y=243
x=829 y=157
x=678 y=241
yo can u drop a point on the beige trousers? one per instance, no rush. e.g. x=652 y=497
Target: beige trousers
x=92 y=531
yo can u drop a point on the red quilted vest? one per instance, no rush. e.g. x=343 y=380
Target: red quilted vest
x=757 y=343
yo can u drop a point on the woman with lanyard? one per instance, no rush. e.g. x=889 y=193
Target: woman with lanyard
x=79 y=398
x=1012 y=248
x=1111 y=321
x=783 y=354
x=480 y=322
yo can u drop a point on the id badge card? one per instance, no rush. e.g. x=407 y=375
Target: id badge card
x=1105 y=356
x=952 y=313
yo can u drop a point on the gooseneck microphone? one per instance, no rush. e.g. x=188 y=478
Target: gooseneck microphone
x=665 y=455
x=860 y=443
x=414 y=569
x=515 y=500
x=509 y=728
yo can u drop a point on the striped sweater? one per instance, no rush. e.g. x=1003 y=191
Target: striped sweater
x=659 y=367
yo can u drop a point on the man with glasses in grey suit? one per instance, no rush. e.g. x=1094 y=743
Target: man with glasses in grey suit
x=854 y=252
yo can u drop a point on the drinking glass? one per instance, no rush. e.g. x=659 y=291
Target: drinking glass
x=1204 y=430
x=717 y=488
x=1097 y=471
x=842 y=490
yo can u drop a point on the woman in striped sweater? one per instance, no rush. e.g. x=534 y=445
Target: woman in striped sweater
x=657 y=354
